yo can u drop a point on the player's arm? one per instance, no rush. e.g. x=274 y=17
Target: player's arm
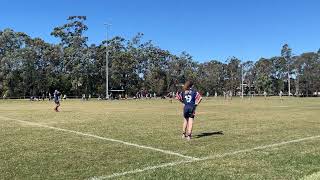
x=179 y=97
x=198 y=98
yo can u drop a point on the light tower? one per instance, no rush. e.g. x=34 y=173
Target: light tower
x=107 y=61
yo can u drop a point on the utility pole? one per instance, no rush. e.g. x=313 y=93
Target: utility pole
x=289 y=79
x=107 y=61
x=242 y=81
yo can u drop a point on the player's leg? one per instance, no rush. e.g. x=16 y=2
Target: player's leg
x=184 y=128
x=185 y=121
x=190 y=122
x=189 y=127
x=57 y=106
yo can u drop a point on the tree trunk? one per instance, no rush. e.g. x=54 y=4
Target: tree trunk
x=297 y=85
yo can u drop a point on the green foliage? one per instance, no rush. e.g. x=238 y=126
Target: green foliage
x=32 y=67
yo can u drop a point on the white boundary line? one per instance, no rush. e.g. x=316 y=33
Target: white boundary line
x=313 y=176
x=203 y=159
x=280 y=106
x=191 y=159
x=103 y=138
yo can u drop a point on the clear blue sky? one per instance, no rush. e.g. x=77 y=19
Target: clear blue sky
x=207 y=29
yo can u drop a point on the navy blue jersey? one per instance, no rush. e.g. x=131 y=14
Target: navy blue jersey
x=56 y=95
x=189 y=97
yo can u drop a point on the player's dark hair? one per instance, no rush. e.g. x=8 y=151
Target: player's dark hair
x=187 y=85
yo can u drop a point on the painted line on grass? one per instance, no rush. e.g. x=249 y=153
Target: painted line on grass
x=280 y=106
x=142 y=170
x=315 y=176
x=203 y=159
x=103 y=138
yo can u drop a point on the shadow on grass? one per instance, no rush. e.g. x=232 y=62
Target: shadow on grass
x=206 y=134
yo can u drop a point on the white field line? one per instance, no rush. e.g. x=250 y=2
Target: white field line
x=103 y=138
x=315 y=176
x=203 y=159
x=280 y=106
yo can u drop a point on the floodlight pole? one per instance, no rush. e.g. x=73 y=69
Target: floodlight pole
x=107 y=61
x=241 y=80
x=289 y=86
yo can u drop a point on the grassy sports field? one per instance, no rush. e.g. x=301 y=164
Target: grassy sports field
x=141 y=139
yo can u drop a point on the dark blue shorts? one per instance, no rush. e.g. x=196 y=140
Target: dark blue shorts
x=56 y=101
x=189 y=112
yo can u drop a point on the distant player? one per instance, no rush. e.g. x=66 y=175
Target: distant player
x=230 y=95
x=56 y=98
x=280 y=95
x=265 y=95
x=191 y=99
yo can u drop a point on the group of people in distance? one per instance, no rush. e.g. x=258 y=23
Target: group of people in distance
x=189 y=97
x=265 y=94
x=56 y=99
x=144 y=94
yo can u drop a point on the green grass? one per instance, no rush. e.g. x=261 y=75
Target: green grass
x=315 y=176
x=32 y=152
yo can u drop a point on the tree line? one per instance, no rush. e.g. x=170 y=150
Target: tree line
x=31 y=67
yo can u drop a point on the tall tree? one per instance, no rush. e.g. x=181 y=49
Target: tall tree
x=74 y=47
x=233 y=75
x=286 y=53
x=211 y=77
x=263 y=69
x=248 y=76
x=31 y=67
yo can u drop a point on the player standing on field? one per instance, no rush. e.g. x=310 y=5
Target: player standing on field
x=191 y=99
x=280 y=95
x=56 y=98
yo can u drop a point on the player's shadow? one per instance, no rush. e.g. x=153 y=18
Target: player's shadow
x=206 y=134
